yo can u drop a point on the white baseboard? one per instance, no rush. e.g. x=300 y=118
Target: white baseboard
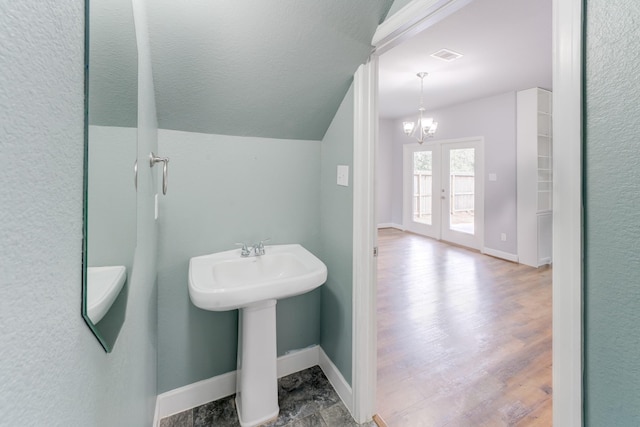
x=192 y=395
x=201 y=392
x=390 y=225
x=298 y=360
x=499 y=254
x=336 y=379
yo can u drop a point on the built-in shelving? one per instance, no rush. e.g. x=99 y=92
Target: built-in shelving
x=534 y=176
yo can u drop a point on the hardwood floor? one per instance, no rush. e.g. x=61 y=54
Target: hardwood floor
x=464 y=339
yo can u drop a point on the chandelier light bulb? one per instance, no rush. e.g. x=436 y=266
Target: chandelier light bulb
x=408 y=127
x=427 y=123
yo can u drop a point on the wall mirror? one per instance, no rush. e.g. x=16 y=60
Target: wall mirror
x=111 y=109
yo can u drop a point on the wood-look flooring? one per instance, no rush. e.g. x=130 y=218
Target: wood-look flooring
x=464 y=339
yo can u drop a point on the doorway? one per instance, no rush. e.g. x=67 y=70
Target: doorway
x=567 y=240
x=444 y=190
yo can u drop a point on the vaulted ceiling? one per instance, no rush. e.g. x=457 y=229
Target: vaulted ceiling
x=257 y=68
x=274 y=69
x=280 y=69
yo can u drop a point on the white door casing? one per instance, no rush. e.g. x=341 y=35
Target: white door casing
x=364 y=241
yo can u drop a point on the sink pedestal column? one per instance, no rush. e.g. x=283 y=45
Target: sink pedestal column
x=257 y=381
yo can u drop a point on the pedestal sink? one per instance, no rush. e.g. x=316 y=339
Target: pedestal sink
x=226 y=281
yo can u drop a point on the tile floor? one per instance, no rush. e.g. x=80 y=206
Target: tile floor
x=306 y=399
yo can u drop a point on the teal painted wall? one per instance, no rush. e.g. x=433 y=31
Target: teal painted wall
x=396 y=6
x=276 y=69
x=222 y=190
x=612 y=208
x=111 y=224
x=111 y=212
x=336 y=230
x=54 y=372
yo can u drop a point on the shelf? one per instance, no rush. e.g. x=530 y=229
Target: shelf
x=534 y=189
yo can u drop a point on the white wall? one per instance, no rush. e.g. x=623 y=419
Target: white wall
x=384 y=172
x=494 y=118
x=54 y=372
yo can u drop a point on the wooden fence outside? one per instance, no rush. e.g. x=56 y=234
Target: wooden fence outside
x=462 y=193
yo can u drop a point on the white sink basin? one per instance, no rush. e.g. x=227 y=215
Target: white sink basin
x=103 y=286
x=226 y=281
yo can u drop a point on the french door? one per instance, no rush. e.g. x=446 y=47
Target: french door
x=444 y=190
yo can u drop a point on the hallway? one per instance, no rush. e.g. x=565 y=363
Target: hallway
x=464 y=339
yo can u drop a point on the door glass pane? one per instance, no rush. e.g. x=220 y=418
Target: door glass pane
x=462 y=190
x=422 y=188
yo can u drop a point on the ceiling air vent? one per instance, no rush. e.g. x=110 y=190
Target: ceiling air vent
x=446 y=55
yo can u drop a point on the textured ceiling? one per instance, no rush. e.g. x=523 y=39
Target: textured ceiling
x=506 y=46
x=280 y=69
x=113 y=64
x=274 y=69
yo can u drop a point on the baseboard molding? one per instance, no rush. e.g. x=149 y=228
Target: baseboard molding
x=336 y=379
x=196 y=394
x=201 y=392
x=298 y=360
x=390 y=225
x=499 y=254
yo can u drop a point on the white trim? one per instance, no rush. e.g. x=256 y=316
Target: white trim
x=201 y=392
x=414 y=17
x=298 y=360
x=391 y=225
x=567 y=212
x=196 y=394
x=500 y=254
x=365 y=136
x=340 y=385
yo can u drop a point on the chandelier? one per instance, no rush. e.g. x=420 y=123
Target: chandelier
x=426 y=125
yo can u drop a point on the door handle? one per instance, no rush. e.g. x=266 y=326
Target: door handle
x=153 y=159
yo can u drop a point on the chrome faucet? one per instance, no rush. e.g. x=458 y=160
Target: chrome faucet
x=257 y=249
x=245 y=251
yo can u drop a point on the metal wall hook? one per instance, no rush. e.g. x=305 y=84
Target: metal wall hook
x=153 y=159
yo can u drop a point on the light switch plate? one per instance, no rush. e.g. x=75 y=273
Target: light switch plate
x=343 y=175
x=493 y=177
